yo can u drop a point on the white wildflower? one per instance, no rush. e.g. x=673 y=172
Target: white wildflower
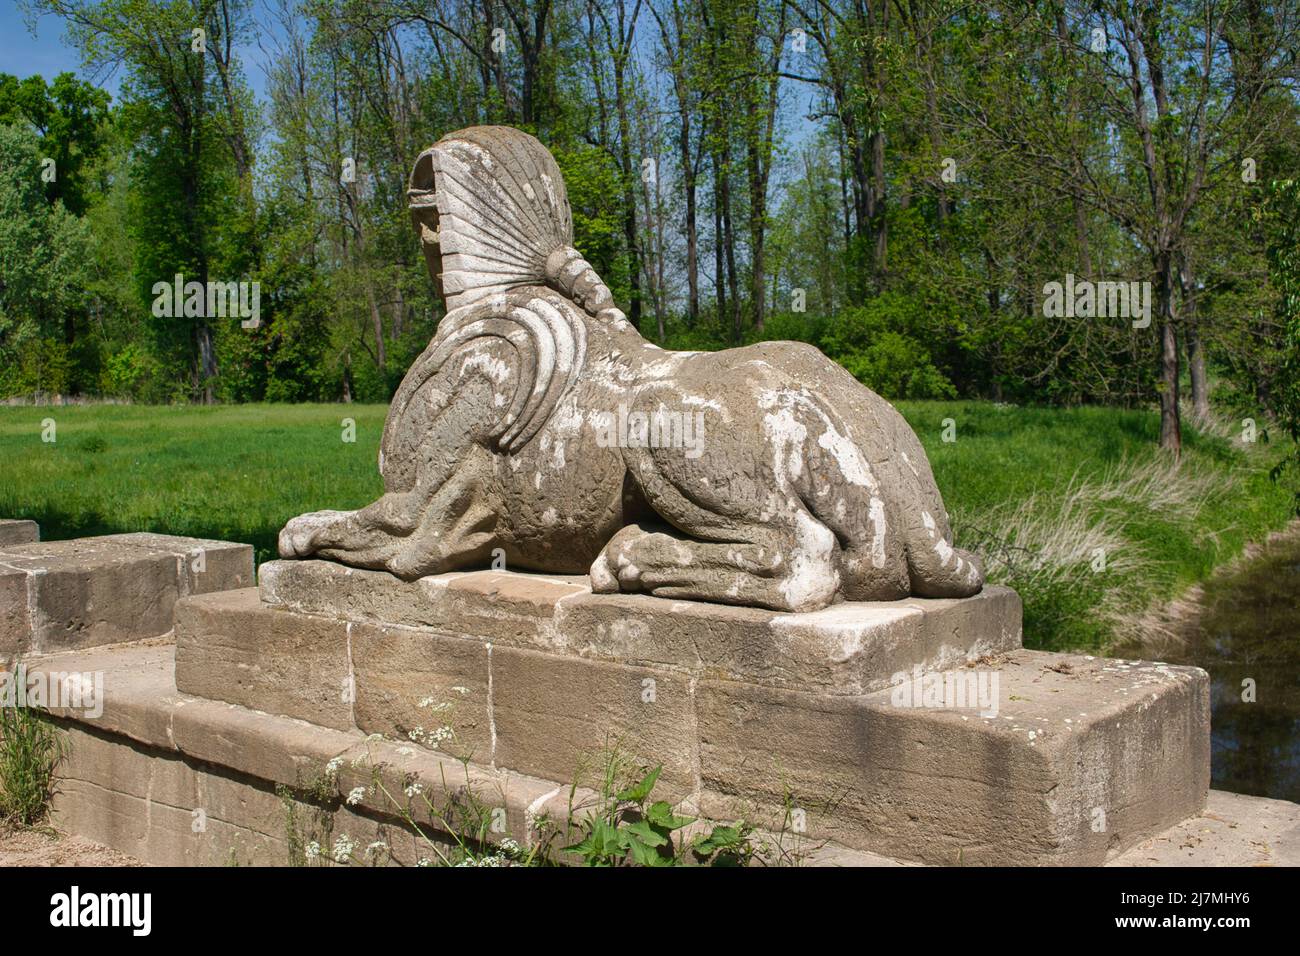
x=343 y=847
x=356 y=796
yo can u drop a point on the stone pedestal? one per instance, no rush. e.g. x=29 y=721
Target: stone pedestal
x=916 y=729
x=66 y=595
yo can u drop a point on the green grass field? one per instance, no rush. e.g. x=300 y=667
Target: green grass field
x=1038 y=491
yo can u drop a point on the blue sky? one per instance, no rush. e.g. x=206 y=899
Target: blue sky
x=46 y=53
x=23 y=54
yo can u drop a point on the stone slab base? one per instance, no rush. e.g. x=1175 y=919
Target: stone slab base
x=1233 y=830
x=850 y=648
x=18 y=531
x=176 y=780
x=1068 y=760
x=61 y=595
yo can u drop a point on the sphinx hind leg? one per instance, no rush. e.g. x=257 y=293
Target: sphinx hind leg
x=787 y=563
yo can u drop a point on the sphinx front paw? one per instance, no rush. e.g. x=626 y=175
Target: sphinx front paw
x=307 y=534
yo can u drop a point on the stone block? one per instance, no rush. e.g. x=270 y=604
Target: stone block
x=18 y=531
x=492 y=605
x=136 y=692
x=204 y=565
x=412 y=682
x=280 y=750
x=1082 y=756
x=15 y=614
x=552 y=716
x=849 y=648
x=88 y=591
x=395 y=779
x=66 y=595
x=232 y=648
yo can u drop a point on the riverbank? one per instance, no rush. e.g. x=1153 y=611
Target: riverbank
x=1074 y=508
x=1241 y=625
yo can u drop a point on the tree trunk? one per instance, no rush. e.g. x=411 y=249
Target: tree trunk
x=1196 y=367
x=1171 y=436
x=719 y=266
x=1192 y=337
x=377 y=320
x=207 y=361
x=629 y=198
x=729 y=251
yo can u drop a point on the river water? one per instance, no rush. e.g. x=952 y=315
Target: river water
x=1248 y=638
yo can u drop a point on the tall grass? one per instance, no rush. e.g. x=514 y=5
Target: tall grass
x=30 y=751
x=1080 y=512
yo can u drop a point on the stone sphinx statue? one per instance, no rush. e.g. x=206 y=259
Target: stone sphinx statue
x=540 y=427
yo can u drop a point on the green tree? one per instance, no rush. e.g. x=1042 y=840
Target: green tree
x=70 y=115
x=43 y=254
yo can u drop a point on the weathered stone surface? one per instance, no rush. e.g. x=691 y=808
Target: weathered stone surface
x=1083 y=756
x=230 y=647
x=279 y=749
x=15 y=614
x=540 y=427
x=197 y=783
x=140 y=794
x=552 y=715
x=850 y=648
x=18 y=531
x=138 y=691
x=412 y=683
x=89 y=591
x=163 y=809
x=204 y=565
x=64 y=595
x=396 y=779
x=1233 y=830
x=496 y=606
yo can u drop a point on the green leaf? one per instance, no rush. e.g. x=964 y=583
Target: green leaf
x=639 y=792
x=646 y=855
x=720 y=838
x=643 y=831
x=660 y=813
x=603 y=844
